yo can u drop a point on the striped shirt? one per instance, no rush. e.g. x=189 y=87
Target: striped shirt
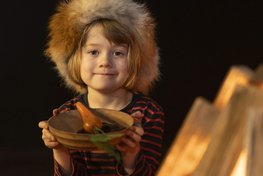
x=101 y=164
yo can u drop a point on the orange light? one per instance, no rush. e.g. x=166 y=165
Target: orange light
x=240 y=168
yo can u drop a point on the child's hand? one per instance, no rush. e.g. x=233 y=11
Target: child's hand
x=130 y=143
x=48 y=138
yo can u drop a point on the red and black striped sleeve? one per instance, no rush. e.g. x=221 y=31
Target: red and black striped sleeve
x=149 y=158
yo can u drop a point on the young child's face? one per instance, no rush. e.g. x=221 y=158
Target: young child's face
x=104 y=65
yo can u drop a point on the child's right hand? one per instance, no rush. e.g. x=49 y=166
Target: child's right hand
x=48 y=138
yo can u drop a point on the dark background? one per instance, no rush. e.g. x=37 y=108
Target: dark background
x=199 y=41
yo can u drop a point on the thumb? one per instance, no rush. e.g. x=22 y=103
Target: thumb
x=137 y=116
x=43 y=124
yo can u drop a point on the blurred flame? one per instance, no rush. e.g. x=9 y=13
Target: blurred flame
x=183 y=161
x=240 y=168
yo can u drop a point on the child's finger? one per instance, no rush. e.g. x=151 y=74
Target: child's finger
x=48 y=135
x=43 y=124
x=51 y=145
x=121 y=148
x=137 y=116
x=134 y=136
x=137 y=130
x=128 y=142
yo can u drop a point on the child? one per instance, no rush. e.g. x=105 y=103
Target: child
x=106 y=52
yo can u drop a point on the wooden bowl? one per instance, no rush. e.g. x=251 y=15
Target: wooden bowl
x=67 y=128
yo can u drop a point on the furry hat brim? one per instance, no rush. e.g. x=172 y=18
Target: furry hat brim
x=67 y=24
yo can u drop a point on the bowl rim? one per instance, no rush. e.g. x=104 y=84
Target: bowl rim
x=83 y=136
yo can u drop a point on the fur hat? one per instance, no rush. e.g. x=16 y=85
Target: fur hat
x=67 y=25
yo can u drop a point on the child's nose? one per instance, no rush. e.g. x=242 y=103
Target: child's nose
x=105 y=61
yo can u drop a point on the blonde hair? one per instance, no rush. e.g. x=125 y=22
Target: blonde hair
x=116 y=33
x=66 y=28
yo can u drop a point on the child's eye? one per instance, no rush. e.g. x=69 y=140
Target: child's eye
x=119 y=53
x=93 y=52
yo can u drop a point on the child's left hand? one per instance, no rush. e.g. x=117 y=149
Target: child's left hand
x=130 y=143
